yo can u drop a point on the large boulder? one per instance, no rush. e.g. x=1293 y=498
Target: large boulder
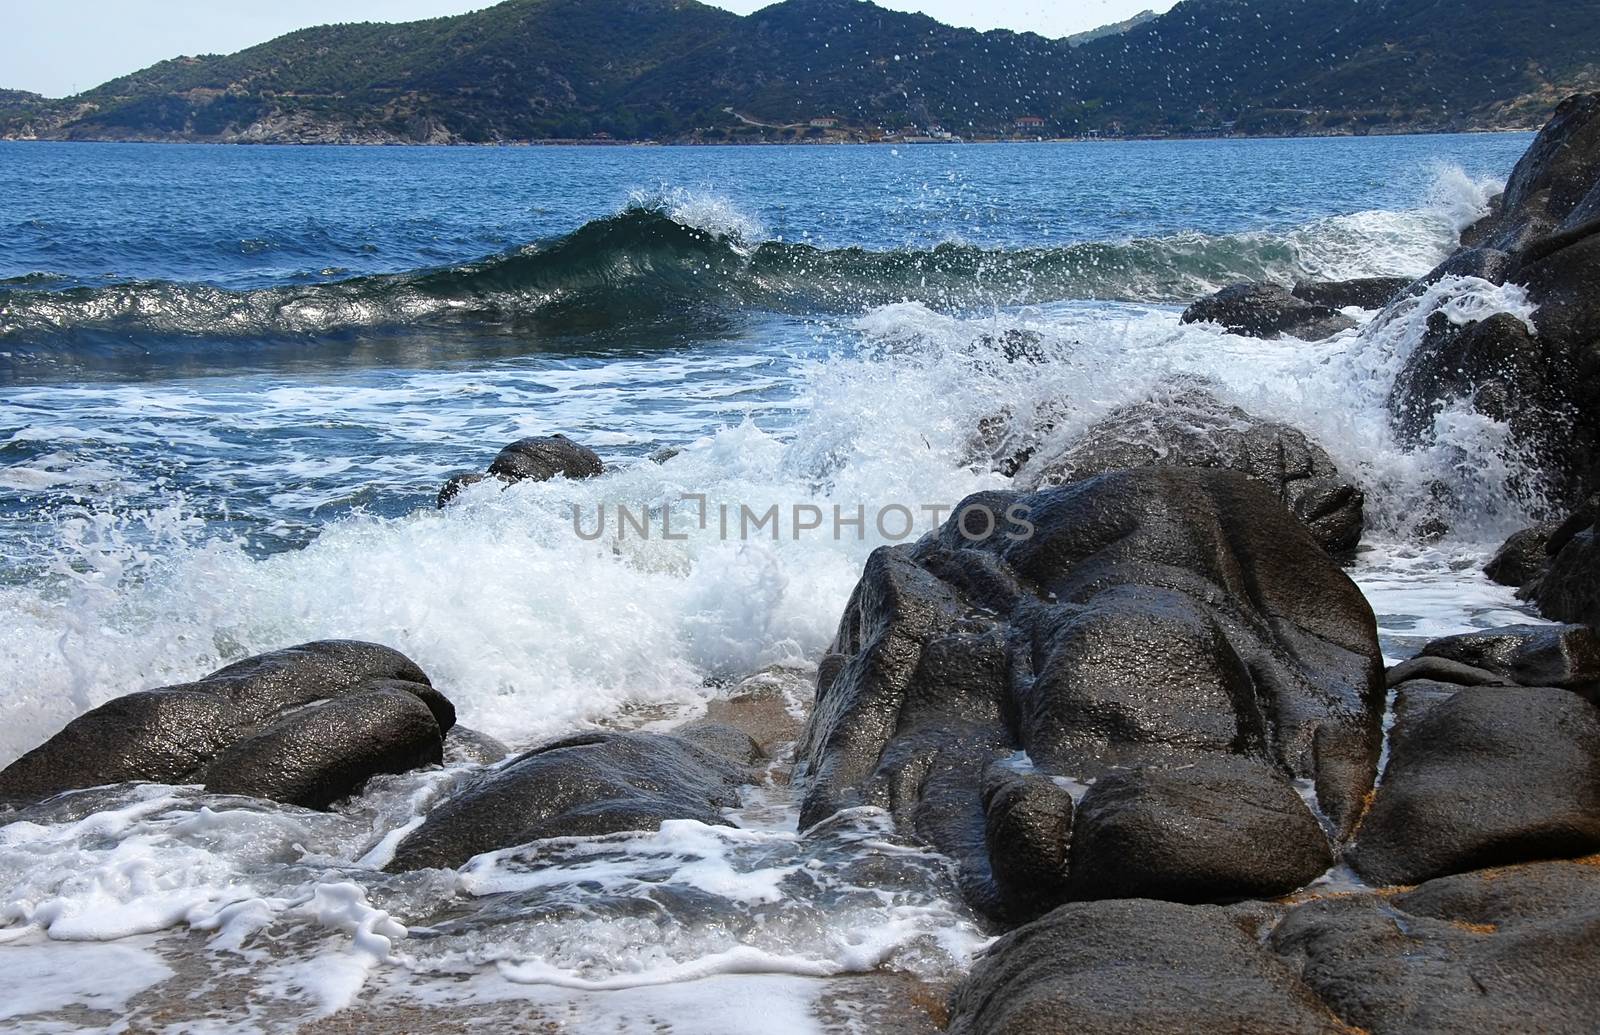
x=580 y=786
x=1544 y=235
x=307 y=725
x=1550 y=182
x=1494 y=950
x=1187 y=426
x=537 y=458
x=1135 y=966
x=1153 y=619
x=1267 y=311
x=1484 y=776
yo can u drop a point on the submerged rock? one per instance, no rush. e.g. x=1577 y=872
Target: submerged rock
x=1484 y=777
x=1145 y=619
x=1134 y=966
x=579 y=786
x=1495 y=950
x=1190 y=427
x=1362 y=292
x=307 y=725
x=537 y=458
x=1267 y=311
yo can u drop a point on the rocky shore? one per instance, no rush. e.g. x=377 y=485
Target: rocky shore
x=1154 y=737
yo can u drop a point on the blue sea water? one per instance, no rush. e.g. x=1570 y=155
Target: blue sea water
x=233 y=379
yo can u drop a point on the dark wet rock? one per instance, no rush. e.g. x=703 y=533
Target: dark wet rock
x=540 y=458
x=306 y=725
x=1498 y=365
x=1442 y=670
x=1267 y=311
x=1545 y=236
x=1489 y=264
x=1489 y=777
x=1217 y=829
x=456 y=486
x=1027 y=831
x=464 y=745
x=1363 y=292
x=1494 y=950
x=1134 y=966
x=579 y=786
x=1549 y=182
x=1187 y=426
x=664 y=454
x=1566 y=656
x=1522 y=557
x=536 y=458
x=1154 y=617
x=1569 y=590
x=722 y=740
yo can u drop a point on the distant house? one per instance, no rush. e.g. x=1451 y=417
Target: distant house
x=824 y=123
x=1029 y=122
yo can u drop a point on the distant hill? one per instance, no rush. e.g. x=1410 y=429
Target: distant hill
x=1114 y=29
x=676 y=70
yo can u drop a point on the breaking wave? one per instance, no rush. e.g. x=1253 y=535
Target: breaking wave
x=661 y=260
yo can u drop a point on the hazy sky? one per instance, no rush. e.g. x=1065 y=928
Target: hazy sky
x=59 y=47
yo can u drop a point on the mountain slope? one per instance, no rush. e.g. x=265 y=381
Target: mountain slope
x=677 y=69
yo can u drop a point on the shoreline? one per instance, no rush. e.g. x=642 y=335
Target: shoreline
x=1128 y=139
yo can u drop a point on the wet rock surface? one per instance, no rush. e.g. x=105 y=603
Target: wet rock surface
x=1154 y=619
x=1133 y=966
x=1362 y=292
x=1566 y=656
x=1188 y=426
x=581 y=786
x=536 y=458
x=1487 y=776
x=1218 y=829
x=306 y=725
x=1545 y=236
x=1494 y=950
x=1267 y=311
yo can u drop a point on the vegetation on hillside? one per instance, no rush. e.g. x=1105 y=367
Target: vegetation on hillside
x=681 y=70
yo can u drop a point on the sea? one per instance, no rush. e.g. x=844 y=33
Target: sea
x=233 y=380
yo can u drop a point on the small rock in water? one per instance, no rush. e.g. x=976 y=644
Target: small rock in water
x=579 y=786
x=1267 y=311
x=537 y=458
x=306 y=725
